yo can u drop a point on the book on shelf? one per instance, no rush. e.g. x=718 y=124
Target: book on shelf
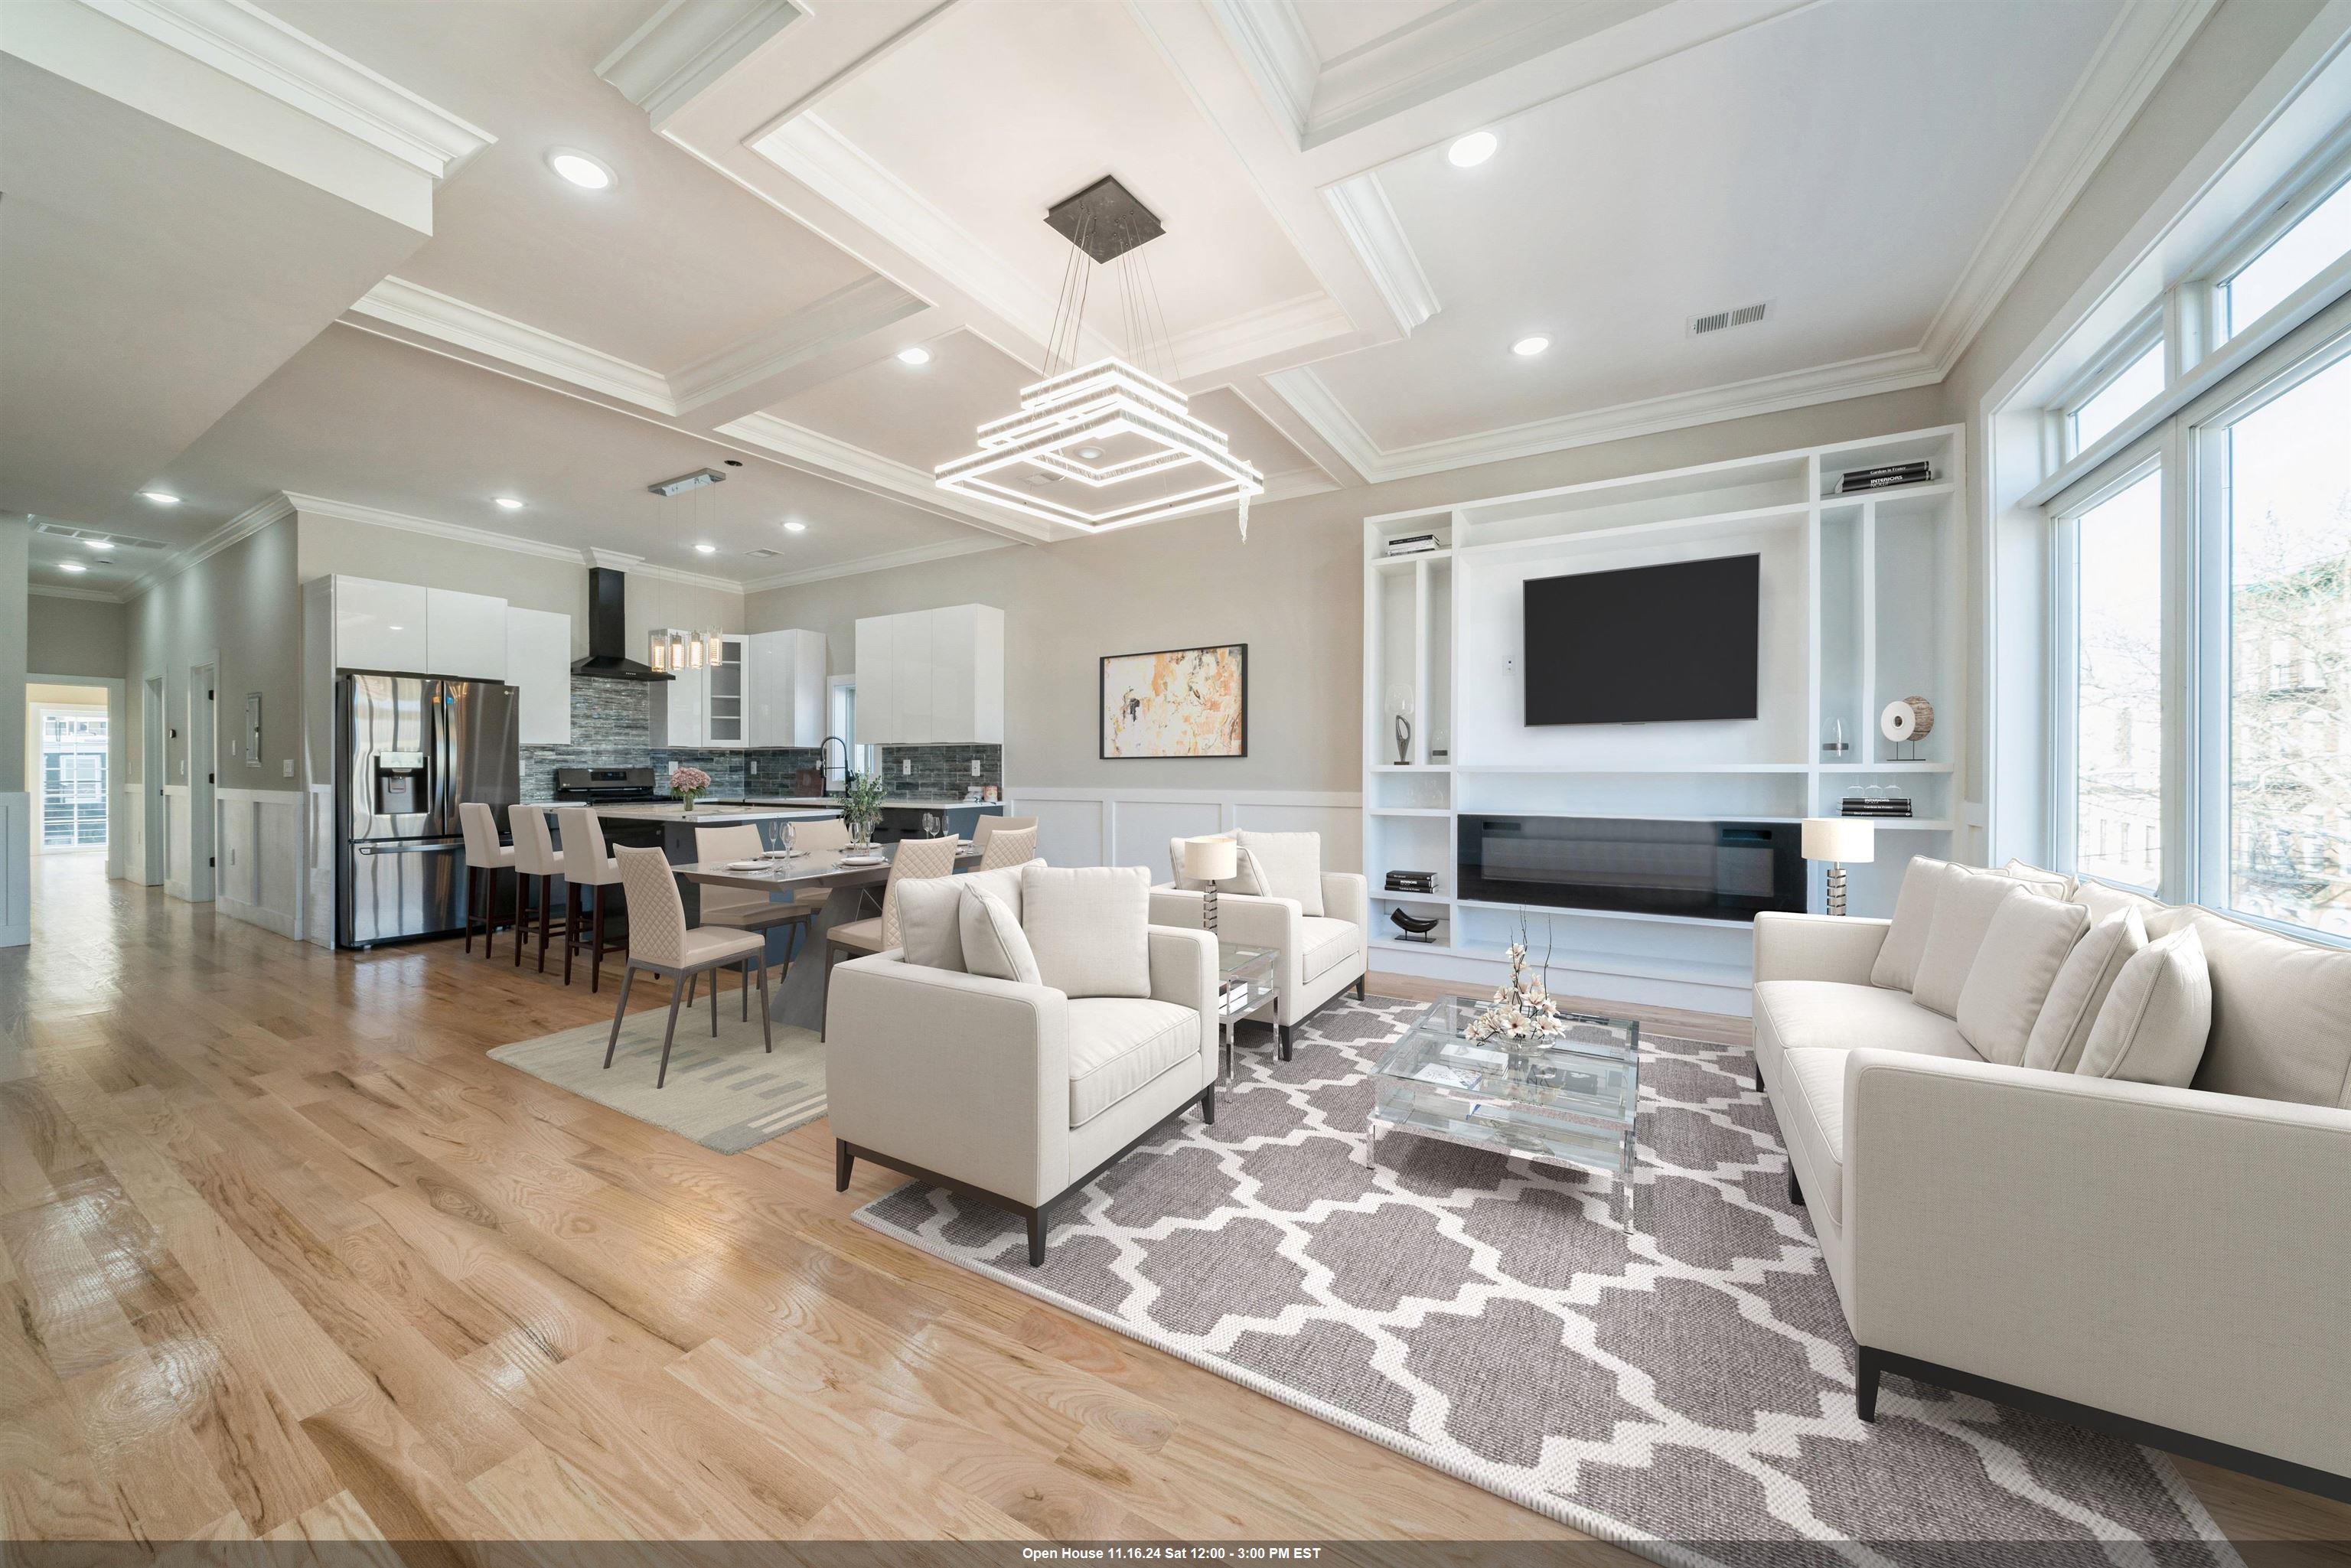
x=1875 y=808
x=1852 y=484
x=1915 y=465
x=1417 y=544
x=1412 y=882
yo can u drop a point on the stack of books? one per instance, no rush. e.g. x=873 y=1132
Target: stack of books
x=1875 y=806
x=1412 y=544
x=1880 y=478
x=1413 y=882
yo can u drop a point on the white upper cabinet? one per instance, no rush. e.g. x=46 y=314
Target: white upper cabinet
x=539 y=666
x=465 y=634
x=785 y=673
x=931 y=676
x=382 y=626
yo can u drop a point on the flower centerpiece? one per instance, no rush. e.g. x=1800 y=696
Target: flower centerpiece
x=860 y=809
x=688 y=784
x=1522 y=1010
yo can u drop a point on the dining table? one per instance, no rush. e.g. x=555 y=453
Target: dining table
x=852 y=893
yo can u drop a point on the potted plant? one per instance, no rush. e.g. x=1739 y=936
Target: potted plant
x=688 y=784
x=860 y=809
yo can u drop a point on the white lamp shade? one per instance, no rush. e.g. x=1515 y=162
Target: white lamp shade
x=1209 y=860
x=1849 y=841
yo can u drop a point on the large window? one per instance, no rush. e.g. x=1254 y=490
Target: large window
x=2288 y=488
x=2117 y=398
x=2295 y=256
x=2118 y=685
x=73 y=778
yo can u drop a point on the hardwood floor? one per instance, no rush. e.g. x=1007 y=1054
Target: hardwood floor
x=287 y=1256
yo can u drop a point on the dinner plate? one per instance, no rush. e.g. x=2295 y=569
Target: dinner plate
x=864 y=860
x=747 y=865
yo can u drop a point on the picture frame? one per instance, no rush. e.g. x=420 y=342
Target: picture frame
x=1180 y=703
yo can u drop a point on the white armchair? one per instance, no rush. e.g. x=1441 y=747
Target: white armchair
x=1321 y=955
x=1014 y=1094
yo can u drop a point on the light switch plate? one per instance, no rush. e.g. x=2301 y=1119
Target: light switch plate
x=288 y=766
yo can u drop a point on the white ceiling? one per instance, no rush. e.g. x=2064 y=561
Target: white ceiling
x=806 y=188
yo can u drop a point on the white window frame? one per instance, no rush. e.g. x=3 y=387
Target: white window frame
x=2102 y=372
x=2303 y=192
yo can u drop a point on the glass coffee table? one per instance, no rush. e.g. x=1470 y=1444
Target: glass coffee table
x=1573 y=1100
x=1244 y=985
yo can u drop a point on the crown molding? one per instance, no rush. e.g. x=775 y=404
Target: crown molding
x=945 y=550
x=849 y=313
x=246 y=524
x=1312 y=398
x=822 y=454
x=1360 y=205
x=249 y=44
x=2133 y=57
x=411 y=308
x=1270 y=38
x=489 y=539
x=87 y=595
x=687 y=45
x=1308 y=320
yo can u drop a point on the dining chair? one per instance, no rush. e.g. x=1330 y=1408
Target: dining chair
x=588 y=864
x=1007 y=846
x=912 y=859
x=989 y=827
x=739 y=908
x=486 y=856
x=535 y=856
x=660 y=945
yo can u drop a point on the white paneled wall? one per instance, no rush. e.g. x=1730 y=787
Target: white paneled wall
x=260 y=878
x=16 y=868
x=176 y=838
x=1079 y=826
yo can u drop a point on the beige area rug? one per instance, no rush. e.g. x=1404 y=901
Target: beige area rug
x=725 y=1094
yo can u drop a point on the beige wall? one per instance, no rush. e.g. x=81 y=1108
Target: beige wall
x=16 y=544
x=241 y=603
x=1294 y=592
x=77 y=636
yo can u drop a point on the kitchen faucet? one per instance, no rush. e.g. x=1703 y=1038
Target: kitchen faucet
x=825 y=766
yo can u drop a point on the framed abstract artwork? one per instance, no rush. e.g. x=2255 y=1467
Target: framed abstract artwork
x=1178 y=702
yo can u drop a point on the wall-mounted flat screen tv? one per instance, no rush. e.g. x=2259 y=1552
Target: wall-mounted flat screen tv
x=1646 y=645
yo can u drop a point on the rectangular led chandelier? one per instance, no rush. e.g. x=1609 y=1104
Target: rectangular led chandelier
x=1085 y=407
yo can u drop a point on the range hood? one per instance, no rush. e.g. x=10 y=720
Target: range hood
x=608 y=632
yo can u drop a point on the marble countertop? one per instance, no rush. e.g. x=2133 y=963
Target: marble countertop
x=705 y=815
x=892 y=802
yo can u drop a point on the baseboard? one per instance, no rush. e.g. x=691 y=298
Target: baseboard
x=16 y=935
x=259 y=915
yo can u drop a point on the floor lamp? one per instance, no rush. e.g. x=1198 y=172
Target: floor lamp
x=1842 y=842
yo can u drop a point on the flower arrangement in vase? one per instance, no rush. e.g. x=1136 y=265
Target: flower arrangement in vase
x=688 y=784
x=860 y=809
x=1522 y=1010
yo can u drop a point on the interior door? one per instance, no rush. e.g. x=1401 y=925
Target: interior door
x=203 y=760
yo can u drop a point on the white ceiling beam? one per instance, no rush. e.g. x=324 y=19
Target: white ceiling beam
x=686 y=46
x=812 y=452
x=813 y=345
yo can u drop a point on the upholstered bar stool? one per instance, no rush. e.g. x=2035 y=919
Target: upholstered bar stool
x=535 y=856
x=659 y=944
x=740 y=909
x=484 y=858
x=914 y=858
x=587 y=864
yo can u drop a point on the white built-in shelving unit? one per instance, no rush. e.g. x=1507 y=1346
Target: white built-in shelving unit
x=1860 y=604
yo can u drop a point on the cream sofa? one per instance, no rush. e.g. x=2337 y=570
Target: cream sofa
x=1321 y=955
x=1014 y=1093
x=2170 y=1265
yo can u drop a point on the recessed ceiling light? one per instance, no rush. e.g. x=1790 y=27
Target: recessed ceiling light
x=160 y=498
x=796 y=526
x=400 y=628
x=71 y=566
x=99 y=544
x=1473 y=149
x=588 y=173
x=917 y=355
x=1527 y=348
x=706 y=549
x=1089 y=453
x=508 y=503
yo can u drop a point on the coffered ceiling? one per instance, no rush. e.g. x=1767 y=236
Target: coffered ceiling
x=805 y=189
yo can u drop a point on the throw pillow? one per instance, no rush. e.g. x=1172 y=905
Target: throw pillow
x=2056 y=883
x=1289 y=865
x=928 y=910
x=2104 y=902
x=1896 y=967
x=2023 y=951
x=1090 y=927
x=1247 y=878
x=1964 y=906
x=2072 y=1007
x=1004 y=881
x=993 y=942
x=2153 y=1027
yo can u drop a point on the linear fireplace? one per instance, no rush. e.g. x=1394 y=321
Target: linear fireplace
x=1721 y=871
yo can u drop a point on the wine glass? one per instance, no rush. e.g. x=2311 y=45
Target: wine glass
x=930 y=824
x=786 y=835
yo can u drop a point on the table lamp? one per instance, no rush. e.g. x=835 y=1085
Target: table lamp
x=1211 y=861
x=1841 y=841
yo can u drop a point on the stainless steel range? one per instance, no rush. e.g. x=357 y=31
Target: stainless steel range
x=604 y=786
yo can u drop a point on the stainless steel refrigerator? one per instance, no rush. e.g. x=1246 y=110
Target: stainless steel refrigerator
x=409 y=748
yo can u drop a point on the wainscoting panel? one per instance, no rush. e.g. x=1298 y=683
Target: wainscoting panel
x=16 y=868
x=260 y=875
x=176 y=877
x=318 y=855
x=1077 y=826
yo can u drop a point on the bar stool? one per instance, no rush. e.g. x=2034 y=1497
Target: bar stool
x=913 y=859
x=535 y=856
x=660 y=944
x=590 y=865
x=740 y=909
x=484 y=858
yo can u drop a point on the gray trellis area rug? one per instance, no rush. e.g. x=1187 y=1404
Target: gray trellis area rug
x=726 y=1093
x=1686 y=1390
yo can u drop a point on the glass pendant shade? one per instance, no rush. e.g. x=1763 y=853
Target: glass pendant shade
x=659 y=655
x=694 y=652
x=715 y=651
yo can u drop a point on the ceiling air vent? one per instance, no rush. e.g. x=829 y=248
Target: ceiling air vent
x=763 y=553
x=1723 y=320
x=98 y=535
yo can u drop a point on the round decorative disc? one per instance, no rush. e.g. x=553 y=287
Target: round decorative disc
x=1897 y=722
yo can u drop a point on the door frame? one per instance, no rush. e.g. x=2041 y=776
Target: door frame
x=118 y=752
x=155 y=820
x=203 y=796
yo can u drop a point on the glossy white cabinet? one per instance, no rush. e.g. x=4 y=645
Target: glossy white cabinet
x=539 y=666
x=382 y=626
x=931 y=676
x=465 y=634
x=784 y=672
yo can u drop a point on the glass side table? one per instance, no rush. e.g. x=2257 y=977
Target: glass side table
x=1572 y=1100
x=1244 y=985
